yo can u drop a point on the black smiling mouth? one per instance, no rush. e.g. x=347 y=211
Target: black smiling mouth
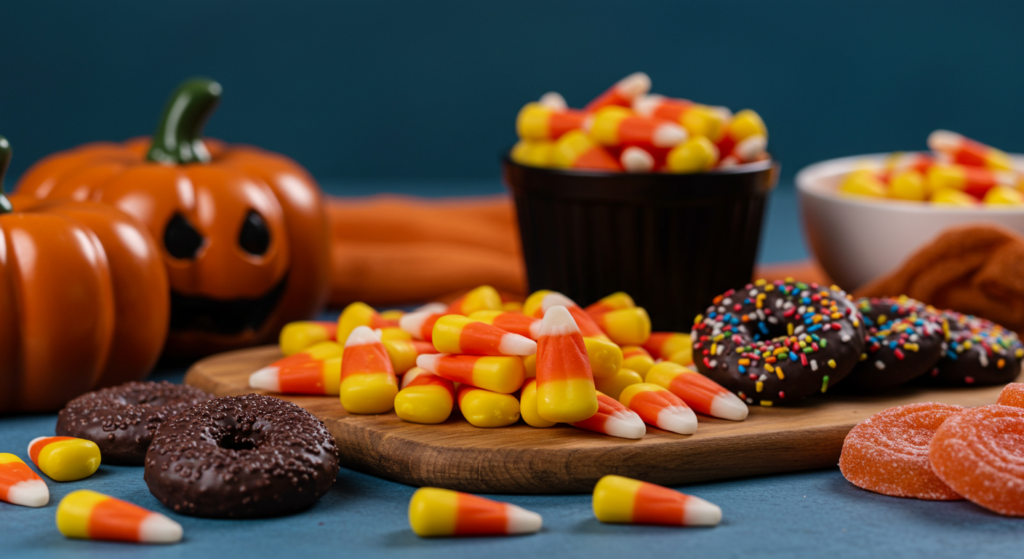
x=223 y=316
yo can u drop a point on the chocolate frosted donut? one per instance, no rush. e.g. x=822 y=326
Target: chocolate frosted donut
x=241 y=457
x=122 y=420
x=979 y=352
x=778 y=342
x=904 y=340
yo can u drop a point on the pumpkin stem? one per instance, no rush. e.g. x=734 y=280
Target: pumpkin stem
x=5 y=161
x=179 y=137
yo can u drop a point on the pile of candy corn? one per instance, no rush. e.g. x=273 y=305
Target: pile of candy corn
x=628 y=129
x=959 y=171
x=546 y=360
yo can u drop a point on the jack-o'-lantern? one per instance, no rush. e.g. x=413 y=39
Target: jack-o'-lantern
x=243 y=233
x=83 y=299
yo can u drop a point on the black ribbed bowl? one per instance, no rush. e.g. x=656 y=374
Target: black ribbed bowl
x=671 y=241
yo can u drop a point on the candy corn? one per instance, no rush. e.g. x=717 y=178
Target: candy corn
x=576 y=150
x=660 y=408
x=637 y=359
x=424 y=397
x=565 y=385
x=515 y=322
x=540 y=121
x=614 y=385
x=368 y=383
x=621 y=500
x=975 y=181
x=965 y=151
x=395 y=333
x=440 y=512
x=698 y=391
x=483 y=298
x=483 y=408
x=663 y=345
x=635 y=159
x=459 y=334
x=554 y=101
x=957 y=198
x=696 y=155
x=297 y=336
x=533 y=153
x=908 y=185
x=403 y=353
x=359 y=314
x=19 y=485
x=745 y=138
x=619 y=126
x=94 y=516
x=1004 y=195
x=321 y=377
x=605 y=359
x=528 y=406
x=622 y=93
x=503 y=374
x=614 y=302
x=863 y=182
x=626 y=326
x=698 y=120
x=613 y=419
x=393 y=315
x=420 y=324
x=538 y=303
x=65 y=458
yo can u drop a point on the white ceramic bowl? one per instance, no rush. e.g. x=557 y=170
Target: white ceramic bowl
x=859 y=239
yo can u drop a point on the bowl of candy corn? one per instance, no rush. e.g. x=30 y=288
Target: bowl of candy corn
x=643 y=193
x=864 y=215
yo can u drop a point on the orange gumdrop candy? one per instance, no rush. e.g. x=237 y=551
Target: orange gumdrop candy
x=888 y=452
x=980 y=454
x=1012 y=395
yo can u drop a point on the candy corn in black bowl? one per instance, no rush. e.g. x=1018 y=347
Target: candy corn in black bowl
x=661 y=198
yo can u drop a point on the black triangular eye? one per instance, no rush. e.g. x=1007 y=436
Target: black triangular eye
x=181 y=239
x=254 y=237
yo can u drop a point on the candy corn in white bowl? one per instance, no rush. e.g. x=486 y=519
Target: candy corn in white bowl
x=865 y=215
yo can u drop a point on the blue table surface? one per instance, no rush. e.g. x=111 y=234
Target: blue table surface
x=811 y=514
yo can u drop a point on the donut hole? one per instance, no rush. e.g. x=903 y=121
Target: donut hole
x=238 y=441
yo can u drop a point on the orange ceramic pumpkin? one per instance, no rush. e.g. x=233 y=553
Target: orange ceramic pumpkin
x=242 y=231
x=83 y=300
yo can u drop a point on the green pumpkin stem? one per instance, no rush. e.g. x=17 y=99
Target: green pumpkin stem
x=179 y=137
x=5 y=161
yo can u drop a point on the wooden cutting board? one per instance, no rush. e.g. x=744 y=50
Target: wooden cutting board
x=521 y=459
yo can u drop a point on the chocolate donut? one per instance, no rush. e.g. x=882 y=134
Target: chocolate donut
x=778 y=342
x=904 y=340
x=121 y=420
x=979 y=352
x=241 y=457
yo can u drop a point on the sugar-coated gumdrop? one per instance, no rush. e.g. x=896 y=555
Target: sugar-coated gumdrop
x=888 y=452
x=1012 y=395
x=980 y=454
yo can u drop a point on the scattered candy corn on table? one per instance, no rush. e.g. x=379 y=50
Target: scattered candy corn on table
x=810 y=514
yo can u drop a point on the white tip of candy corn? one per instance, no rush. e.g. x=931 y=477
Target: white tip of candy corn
x=28 y=493
x=32 y=442
x=411 y=375
x=645 y=105
x=724 y=112
x=669 y=135
x=677 y=419
x=265 y=379
x=634 y=85
x=752 y=147
x=729 y=406
x=944 y=140
x=636 y=160
x=552 y=299
x=363 y=335
x=701 y=513
x=157 y=528
x=514 y=344
x=432 y=308
x=625 y=425
x=522 y=521
x=413 y=322
x=554 y=101
x=557 y=322
x=428 y=362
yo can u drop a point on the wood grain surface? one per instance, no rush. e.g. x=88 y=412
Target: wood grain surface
x=563 y=459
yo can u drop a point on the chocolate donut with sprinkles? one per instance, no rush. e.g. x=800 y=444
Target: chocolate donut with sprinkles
x=904 y=340
x=979 y=352
x=778 y=342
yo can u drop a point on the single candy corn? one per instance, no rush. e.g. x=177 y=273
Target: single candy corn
x=538 y=303
x=483 y=298
x=515 y=322
x=425 y=397
x=65 y=458
x=315 y=353
x=535 y=153
x=614 y=385
x=613 y=419
x=359 y=314
x=440 y=512
x=19 y=485
x=623 y=93
x=660 y=408
x=322 y=378
x=576 y=150
x=745 y=138
x=695 y=155
x=619 y=126
x=94 y=516
x=420 y=324
x=976 y=181
x=504 y=374
x=368 y=383
x=605 y=359
x=956 y=198
x=403 y=353
x=539 y=121
x=697 y=119
x=698 y=391
x=863 y=182
x=637 y=359
x=626 y=326
x=621 y=500
x=528 y=406
x=483 y=408
x=965 y=151
x=663 y=345
x=614 y=302
x=297 y=336
x=459 y=334
x=394 y=333
x=1004 y=195
x=565 y=385
x=908 y=185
